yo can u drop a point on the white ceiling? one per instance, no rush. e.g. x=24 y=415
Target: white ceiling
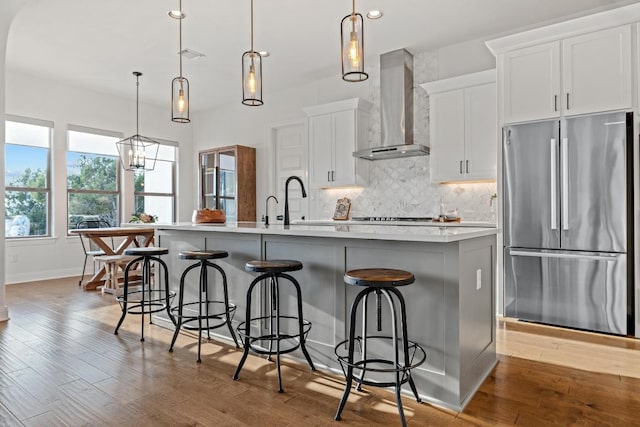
x=98 y=43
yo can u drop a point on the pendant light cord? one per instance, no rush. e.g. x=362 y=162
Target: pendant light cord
x=137 y=102
x=180 y=38
x=251 y=26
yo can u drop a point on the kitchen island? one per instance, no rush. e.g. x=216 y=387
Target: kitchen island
x=450 y=307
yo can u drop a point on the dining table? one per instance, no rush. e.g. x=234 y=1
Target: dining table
x=101 y=237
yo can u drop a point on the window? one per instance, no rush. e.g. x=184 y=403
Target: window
x=154 y=190
x=93 y=184
x=27 y=177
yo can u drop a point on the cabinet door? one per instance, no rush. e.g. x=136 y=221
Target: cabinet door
x=344 y=138
x=320 y=148
x=596 y=71
x=480 y=150
x=208 y=180
x=447 y=135
x=532 y=83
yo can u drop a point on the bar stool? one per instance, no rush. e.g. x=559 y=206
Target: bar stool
x=147 y=298
x=273 y=270
x=389 y=372
x=221 y=311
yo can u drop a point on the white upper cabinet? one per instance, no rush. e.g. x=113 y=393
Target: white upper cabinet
x=336 y=130
x=463 y=127
x=596 y=71
x=577 y=74
x=532 y=83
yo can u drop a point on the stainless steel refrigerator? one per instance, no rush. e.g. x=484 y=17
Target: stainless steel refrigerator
x=567 y=222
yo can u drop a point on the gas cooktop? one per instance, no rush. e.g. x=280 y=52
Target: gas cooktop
x=393 y=218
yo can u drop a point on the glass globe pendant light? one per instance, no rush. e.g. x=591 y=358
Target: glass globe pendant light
x=179 y=85
x=252 y=74
x=352 y=48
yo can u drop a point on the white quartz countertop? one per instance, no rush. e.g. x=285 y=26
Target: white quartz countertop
x=462 y=223
x=412 y=233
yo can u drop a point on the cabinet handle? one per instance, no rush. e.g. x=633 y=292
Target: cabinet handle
x=467 y=166
x=461 y=166
x=567 y=100
x=332 y=177
x=328 y=176
x=555 y=102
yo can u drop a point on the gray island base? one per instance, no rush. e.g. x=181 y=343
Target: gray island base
x=450 y=307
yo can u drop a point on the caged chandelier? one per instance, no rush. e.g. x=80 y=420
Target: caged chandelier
x=138 y=152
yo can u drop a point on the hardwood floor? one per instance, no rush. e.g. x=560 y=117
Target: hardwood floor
x=60 y=364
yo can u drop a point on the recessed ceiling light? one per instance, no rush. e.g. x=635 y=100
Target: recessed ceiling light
x=264 y=53
x=176 y=14
x=374 y=14
x=191 y=54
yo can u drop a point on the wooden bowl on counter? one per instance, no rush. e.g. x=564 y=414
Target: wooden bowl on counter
x=208 y=216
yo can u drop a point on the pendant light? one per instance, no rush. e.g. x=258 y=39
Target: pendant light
x=352 y=48
x=138 y=152
x=252 y=74
x=179 y=85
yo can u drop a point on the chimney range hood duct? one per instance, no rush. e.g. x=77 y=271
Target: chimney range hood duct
x=396 y=109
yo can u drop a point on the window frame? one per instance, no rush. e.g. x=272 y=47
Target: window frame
x=119 y=188
x=173 y=195
x=48 y=188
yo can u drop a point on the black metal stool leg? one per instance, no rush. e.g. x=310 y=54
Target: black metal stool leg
x=351 y=343
x=247 y=340
x=125 y=296
x=203 y=286
x=394 y=337
x=226 y=302
x=363 y=356
x=277 y=301
x=205 y=290
x=300 y=319
x=272 y=308
x=180 y=307
x=405 y=339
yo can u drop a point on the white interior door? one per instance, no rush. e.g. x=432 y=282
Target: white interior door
x=290 y=158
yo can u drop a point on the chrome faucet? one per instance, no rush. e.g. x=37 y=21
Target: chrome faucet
x=286 y=196
x=266 y=209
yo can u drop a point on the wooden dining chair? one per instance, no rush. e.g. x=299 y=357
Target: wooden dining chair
x=89 y=248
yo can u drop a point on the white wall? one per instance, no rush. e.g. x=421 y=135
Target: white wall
x=8 y=9
x=31 y=96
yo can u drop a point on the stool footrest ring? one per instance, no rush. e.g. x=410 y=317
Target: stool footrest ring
x=193 y=316
x=271 y=336
x=417 y=356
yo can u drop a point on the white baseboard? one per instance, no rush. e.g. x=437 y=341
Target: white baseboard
x=33 y=276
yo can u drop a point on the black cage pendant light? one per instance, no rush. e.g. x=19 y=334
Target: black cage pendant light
x=179 y=85
x=352 y=37
x=252 y=74
x=138 y=152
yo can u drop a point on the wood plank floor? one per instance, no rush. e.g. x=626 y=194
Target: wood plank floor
x=60 y=364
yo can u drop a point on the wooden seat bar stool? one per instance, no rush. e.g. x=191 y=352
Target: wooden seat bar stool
x=208 y=310
x=148 y=297
x=273 y=270
x=375 y=370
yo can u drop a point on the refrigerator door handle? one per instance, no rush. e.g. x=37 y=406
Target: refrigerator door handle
x=554 y=185
x=565 y=182
x=601 y=257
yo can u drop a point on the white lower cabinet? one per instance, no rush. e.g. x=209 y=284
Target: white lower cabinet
x=463 y=127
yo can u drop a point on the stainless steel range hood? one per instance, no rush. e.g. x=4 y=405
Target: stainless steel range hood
x=396 y=109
